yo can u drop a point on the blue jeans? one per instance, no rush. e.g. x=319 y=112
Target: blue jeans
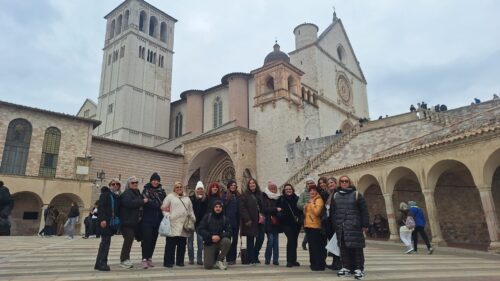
x=70 y=229
x=272 y=248
x=254 y=244
x=199 y=244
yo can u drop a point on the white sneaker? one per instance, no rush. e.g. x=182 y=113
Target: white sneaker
x=221 y=265
x=344 y=272
x=126 y=264
x=358 y=274
x=409 y=251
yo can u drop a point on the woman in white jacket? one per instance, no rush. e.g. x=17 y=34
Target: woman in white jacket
x=179 y=207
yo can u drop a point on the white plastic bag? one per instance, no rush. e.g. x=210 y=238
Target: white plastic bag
x=333 y=246
x=165 y=227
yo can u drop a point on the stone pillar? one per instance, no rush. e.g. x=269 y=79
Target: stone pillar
x=430 y=203
x=391 y=217
x=194 y=111
x=491 y=217
x=42 y=219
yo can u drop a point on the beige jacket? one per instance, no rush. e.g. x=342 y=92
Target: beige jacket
x=178 y=214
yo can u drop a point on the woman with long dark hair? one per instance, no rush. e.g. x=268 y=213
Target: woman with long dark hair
x=214 y=193
x=252 y=219
x=231 y=202
x=291 y=222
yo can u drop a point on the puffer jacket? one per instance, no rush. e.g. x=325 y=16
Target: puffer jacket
x=214 y=224
x=312 y=213
x=179 y=213
x=350 y=217
x=131 y=202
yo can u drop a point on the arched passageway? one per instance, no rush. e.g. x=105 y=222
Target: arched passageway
x=27 y=213
x=210 y=165
x=62 y=202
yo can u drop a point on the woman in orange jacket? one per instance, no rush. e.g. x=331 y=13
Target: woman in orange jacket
x=312 y=226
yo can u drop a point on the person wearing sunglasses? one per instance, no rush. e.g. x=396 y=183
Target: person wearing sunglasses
x=131 y=202
x=351 y=220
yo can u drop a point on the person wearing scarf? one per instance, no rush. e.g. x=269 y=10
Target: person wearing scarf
x=152 y=216
x=272 y=226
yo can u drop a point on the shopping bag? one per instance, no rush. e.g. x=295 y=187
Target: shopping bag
x=165 y=227
x=333 y=246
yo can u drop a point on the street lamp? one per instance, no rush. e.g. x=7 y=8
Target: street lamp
x=101 y=175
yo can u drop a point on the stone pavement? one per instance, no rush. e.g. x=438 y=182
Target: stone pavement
x=56 y=258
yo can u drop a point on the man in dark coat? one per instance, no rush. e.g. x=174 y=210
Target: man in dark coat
x=216 y=232
x=6 y=206
x=107 y=201
x=351 y=220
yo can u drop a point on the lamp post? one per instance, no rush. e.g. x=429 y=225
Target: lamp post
x=101 y=175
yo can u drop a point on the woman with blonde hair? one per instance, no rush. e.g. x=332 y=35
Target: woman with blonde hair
x=179 y=208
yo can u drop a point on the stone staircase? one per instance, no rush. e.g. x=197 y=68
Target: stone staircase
x=324 y=155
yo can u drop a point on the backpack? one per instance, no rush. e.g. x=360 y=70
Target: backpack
x=410 y=222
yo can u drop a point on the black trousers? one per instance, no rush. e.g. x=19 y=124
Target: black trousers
x=149 y=237
x=254 y=245
x=352 y=258
x=414 y=236
x=175 y=249
x=102 y=254
x=292 y=236
x=317 y=251
x=231 y=256
x=128 y=234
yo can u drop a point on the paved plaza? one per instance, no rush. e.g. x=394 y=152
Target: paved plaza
x=33 y=258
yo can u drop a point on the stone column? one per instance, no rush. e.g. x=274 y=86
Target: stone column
x=391 y=217
x=490 y=216
x=42 y=219
x=430 y=203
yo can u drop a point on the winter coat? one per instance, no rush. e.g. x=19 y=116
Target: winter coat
x=131 y=202
x=289 y=211
x=312 y=213
x=178 y=213
x=418 y=216
x=106 y=211
x=199 y=208
x=152 y=214
x=250 y=208
x=232 y=209
x=6 y=206
x=303 y=199
x=214 y=224
x=74 y=212
x=269 y=208
x=350 y=217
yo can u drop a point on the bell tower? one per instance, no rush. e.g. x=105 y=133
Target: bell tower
x=136 y=76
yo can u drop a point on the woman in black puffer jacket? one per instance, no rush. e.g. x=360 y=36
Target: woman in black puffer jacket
x=291 y=222
x=131 y=202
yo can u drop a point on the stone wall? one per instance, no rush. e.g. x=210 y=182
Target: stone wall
x=375 y=202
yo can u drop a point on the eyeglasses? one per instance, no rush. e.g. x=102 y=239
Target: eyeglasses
x=344 y=181
x=134 y=182
x=113 y=184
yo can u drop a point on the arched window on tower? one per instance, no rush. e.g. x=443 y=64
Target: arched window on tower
x=50 y=152
x=153 y=24
x=17 y=145
x=119 y=24
x=142 y=21
x=303 y=94
x=178 y=125
x=112 y=29
x=269 y=85
x=291 y=85
x=125 y=20
x=217 y=112
x=163 y=32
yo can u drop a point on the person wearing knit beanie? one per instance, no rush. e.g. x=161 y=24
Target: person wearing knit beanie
x=155 y=176
x=199 y=185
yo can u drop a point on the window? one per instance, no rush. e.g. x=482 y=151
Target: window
x=148 y=55
x=153 y=23
x=341 y=53
x=119 y=25
x=217 y=112
x=140 y=51
x=270 y=84
x=154 y=58
x=112 y=31
x=109 y=59
x=142 y=21
x=161 y=60
x=110 y=108
x=50 y=152
x=122 y=51
x=163 y=32
x=143 y=52
x=178 y=125
x=125 y=19
x=86 y=113
x=17 y=144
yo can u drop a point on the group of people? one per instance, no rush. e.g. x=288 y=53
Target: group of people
x=59 y=223
x=217 y=216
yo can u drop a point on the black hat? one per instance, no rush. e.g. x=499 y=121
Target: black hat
x=155 y=176
x=218 y=202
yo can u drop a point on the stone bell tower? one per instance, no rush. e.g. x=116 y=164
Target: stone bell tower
x=136 y=76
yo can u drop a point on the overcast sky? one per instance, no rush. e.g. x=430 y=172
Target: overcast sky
x=444 y=51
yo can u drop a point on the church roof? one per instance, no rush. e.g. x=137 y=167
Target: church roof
x=276 y=55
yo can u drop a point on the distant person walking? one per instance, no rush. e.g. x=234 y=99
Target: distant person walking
x=6 y=206
x=73 y=217
x=418 y=216
x=406 y=227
